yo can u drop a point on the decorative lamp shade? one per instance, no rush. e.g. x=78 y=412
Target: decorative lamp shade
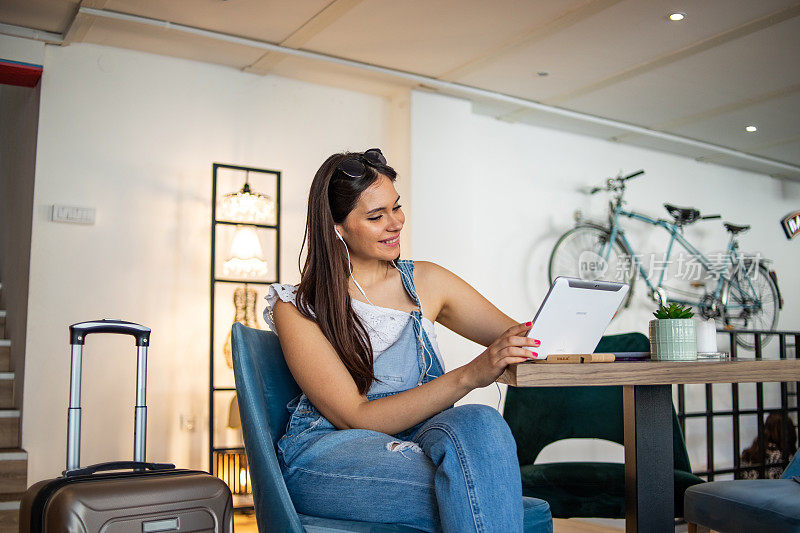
x=246 y=258
x=232 y=468
x=247 y=206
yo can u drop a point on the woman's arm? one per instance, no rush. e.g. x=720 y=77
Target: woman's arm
x=323 y=377
x=462 y=309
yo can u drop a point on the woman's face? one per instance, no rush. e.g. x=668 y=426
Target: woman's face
x=372 y=228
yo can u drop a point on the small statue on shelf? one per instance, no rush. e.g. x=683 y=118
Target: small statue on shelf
x=244 y=300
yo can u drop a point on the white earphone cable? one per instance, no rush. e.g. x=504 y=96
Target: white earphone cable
x=419 y=324
x=350 y=267
x=425 y=351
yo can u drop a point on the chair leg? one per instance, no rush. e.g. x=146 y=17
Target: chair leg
x=696 y=528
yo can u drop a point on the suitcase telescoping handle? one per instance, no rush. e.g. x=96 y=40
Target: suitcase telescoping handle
x=77 y=336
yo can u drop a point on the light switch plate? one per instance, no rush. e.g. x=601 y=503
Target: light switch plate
x=73 y=214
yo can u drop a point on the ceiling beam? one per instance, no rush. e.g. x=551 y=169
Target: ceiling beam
x=733 y=106
x=76 y=28
x=451 y=88
x=727 y=108
x=313 y=26
x=81 y=23
x=773 y=144
x=530 y=36
x=754 y=148
x=30 y=33
x=671 y=57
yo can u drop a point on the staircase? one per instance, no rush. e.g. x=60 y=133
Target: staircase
x=13 y=460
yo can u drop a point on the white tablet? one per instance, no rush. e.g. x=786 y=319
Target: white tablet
x=574 y=315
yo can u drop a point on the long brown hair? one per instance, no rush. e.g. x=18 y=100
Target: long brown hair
x=323 y=295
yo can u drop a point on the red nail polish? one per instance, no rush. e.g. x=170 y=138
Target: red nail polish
x=529 y=324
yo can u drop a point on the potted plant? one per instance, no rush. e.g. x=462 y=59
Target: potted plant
x=673 y=334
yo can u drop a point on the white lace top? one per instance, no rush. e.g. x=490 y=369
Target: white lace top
x=383 y=324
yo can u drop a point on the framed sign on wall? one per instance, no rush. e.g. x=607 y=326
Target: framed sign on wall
x=791 y=224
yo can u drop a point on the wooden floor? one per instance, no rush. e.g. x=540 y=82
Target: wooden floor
x=247 y=524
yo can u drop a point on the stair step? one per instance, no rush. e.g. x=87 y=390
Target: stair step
x=9 y=516
x=5 y=358
x=11 y=497
x=9 y=428
x=6 y=390
x=13 y=470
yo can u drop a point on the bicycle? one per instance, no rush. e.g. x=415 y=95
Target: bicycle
x=744 y=295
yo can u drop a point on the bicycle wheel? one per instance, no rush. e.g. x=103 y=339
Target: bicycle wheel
x=750 y=301
x=579 y=253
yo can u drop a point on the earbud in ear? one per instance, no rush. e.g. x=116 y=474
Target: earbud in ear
x=336 y=230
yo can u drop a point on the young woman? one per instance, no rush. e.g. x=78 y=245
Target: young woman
x=375 y=437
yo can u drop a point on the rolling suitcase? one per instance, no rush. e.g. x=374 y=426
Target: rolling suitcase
x=123 y=496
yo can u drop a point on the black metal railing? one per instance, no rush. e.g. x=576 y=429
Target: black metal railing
x=788 y=408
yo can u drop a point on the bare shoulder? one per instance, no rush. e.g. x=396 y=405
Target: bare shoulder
x=435 y=285
x=458 y=306
x=291 y=324
x=425 y=269
x=284 y=309
x=316 y=366
x=430 y=273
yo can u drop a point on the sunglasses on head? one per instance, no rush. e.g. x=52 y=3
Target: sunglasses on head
x=355 y=167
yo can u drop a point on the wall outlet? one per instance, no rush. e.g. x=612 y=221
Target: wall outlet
x=73 y=214
x=188 y=422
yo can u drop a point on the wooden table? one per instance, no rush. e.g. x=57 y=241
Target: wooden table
x=647 y=399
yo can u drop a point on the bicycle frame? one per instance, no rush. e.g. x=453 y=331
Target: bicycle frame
x=676 y=234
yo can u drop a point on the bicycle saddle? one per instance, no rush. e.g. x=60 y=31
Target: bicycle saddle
x=734 y=229
x=683 y=215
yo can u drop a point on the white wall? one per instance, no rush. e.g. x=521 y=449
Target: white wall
x=22 y=50
x=490 y=198
x=134 y=135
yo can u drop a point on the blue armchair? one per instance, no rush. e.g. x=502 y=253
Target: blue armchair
x=264 y=386
x=746 y=505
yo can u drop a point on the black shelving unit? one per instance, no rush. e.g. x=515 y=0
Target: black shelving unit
x=226 y=455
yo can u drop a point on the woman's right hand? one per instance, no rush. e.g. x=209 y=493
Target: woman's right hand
x=507 y=349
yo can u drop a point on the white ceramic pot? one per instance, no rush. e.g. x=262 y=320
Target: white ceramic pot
x=673 y=339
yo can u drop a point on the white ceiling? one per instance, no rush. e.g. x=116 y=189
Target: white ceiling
x=730 y=63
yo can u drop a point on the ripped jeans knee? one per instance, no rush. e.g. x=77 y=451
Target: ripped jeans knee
x=399 y=446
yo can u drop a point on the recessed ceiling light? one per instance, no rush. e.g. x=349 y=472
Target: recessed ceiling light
x=675 y=17
x=750 y=129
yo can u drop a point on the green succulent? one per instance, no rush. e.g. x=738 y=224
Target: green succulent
x=673 y=311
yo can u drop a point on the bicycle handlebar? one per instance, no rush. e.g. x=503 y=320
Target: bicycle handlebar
x=614 y=184
x=629 y=176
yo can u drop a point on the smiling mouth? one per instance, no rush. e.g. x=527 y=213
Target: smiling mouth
x=392 y=241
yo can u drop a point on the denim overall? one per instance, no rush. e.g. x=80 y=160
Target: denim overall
x=455 y=471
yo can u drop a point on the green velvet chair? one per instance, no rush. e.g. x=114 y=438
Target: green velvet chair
x=539 y=416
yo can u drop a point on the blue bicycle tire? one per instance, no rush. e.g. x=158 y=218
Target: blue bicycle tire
x=552 y=271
